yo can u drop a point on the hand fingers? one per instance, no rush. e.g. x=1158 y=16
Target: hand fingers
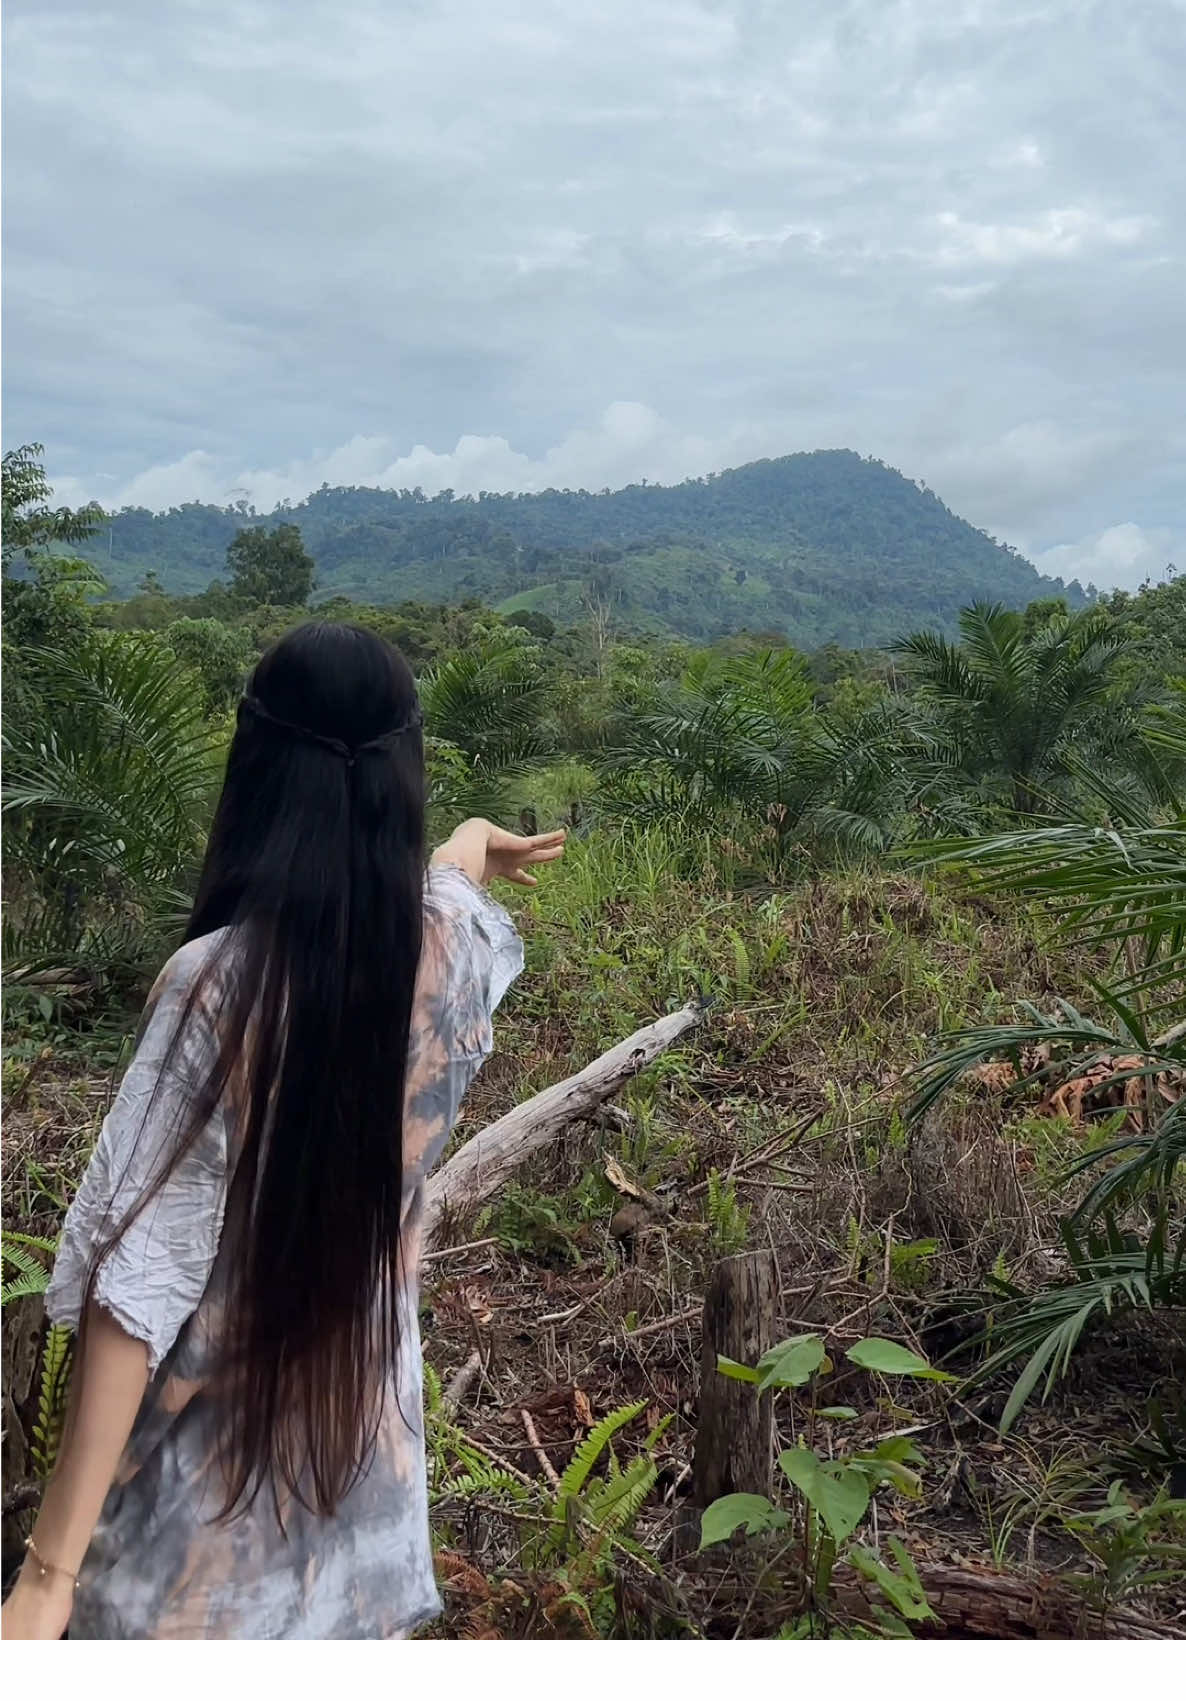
x=518 y=878
x=545 y=855
x=533 y=841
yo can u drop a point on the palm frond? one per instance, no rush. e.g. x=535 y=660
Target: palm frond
x=1106 y=1279
x=1106 y=888
x=110 y=773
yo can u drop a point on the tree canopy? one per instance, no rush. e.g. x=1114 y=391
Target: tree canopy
x=271 y=567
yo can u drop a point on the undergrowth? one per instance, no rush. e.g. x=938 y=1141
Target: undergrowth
x=781 y=1125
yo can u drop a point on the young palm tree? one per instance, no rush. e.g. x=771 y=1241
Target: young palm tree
x=1014 y=699
x=1121 y=889
x=737 y=745
x=484 y=711
x=109 y=770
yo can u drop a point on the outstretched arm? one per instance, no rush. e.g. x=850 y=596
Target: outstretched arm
x=105 y=1396
x=486 y=852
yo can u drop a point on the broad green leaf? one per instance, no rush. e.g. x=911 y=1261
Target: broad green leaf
x=792 y=1363
x=903 y=1589
x=837 y=1412
x=751 y=1512
x=899 y=1448
x=738 y=1372
x=893 y=1360
x=905 y=1480
x=838 y=1493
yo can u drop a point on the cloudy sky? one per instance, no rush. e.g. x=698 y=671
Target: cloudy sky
x=253 y=247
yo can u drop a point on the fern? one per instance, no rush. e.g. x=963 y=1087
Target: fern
x=591 y=1449
x=614 y=1505
x=32 y=1277
x=51 y=1403
x=485 y=1480
x=432 y=1392
x=852 y=1239
x=728 y=1221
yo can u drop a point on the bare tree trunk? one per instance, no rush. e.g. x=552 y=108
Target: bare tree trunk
x=735 y=1432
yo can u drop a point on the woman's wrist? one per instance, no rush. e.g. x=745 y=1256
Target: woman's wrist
x=50 y=1581
x=465 y=848
x=39 y=1607
x=46 y=1567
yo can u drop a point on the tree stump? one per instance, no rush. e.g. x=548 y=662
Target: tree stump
x=735 y=1433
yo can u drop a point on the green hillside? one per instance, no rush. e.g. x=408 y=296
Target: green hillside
x=825 y=547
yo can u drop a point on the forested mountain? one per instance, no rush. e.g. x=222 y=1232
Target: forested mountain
x=825 y=547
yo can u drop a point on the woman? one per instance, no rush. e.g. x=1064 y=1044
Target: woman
x=244 y=1454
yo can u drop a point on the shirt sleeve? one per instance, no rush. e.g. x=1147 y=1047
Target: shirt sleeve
x=155 y=1274
x=472 y=954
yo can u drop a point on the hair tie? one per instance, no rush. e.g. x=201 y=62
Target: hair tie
x=383 y=741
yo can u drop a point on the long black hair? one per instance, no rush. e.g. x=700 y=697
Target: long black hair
x=315 y=866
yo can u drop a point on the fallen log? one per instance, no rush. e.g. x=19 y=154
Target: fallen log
x=979 y=1604
x=483 y=1164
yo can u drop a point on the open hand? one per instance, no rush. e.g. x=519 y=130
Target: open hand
x=508 y=856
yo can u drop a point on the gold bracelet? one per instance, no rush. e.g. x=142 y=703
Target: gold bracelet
x=43 y=1565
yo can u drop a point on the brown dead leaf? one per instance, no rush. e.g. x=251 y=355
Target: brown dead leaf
x=1110 y=1085
x=477 y=1302
x=617 y=1178
x=581 y=1408
x=993 y=1077
x=458 y=1575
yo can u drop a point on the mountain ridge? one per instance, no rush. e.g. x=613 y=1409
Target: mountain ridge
x=822 y=546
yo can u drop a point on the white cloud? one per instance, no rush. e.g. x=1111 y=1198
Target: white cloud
x=966 y=292
x=724 y=231
x=629 y=442
x=1026 y=153
x=1120 y=558
x=1059 y=234
x=446 y=236
x=1010 y=481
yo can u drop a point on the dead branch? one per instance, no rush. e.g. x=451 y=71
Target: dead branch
x=461 y=1381
x=466 y=1246
x=484 y=1163
x=545 y=1464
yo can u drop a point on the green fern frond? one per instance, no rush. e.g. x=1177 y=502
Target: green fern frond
x=40 y=1242
x=591 y=1449
x=657 y=1434
x=492 y=1481
x=24 y=1287
x=728 y=1220
x=56 y=1359
x=616 y=1503
x=32 y=1276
